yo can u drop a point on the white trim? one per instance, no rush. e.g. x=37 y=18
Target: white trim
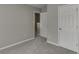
x=14 y=44
x=36 y=12
x=52 y=43
x=59 y=45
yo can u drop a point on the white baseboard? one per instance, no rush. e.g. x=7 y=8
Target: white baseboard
x=59 y=45
x=15 y=44
x=52 y=43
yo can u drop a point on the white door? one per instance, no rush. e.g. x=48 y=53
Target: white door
x=43 y=24
x=67 y=27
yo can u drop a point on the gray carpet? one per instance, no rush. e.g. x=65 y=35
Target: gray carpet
x=36 y=46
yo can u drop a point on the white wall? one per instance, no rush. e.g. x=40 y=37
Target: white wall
x=52 y=22
x=16 y=23
x=43 y=24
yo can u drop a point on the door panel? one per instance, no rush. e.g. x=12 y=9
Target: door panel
x=43 y=24
x=66 y=27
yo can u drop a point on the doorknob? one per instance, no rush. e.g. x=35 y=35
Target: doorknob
x=60 y=28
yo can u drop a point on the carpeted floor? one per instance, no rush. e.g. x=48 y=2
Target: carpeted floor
x=36 y=46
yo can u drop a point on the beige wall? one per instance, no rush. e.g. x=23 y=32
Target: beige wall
x=44 y=9
x=52 y=23
x=16 y=23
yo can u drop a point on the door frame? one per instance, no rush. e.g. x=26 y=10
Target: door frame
x=34 y=21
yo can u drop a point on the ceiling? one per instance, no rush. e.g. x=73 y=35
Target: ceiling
x=38 y=5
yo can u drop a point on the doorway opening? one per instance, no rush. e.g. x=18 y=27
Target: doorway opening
x=37 y=24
